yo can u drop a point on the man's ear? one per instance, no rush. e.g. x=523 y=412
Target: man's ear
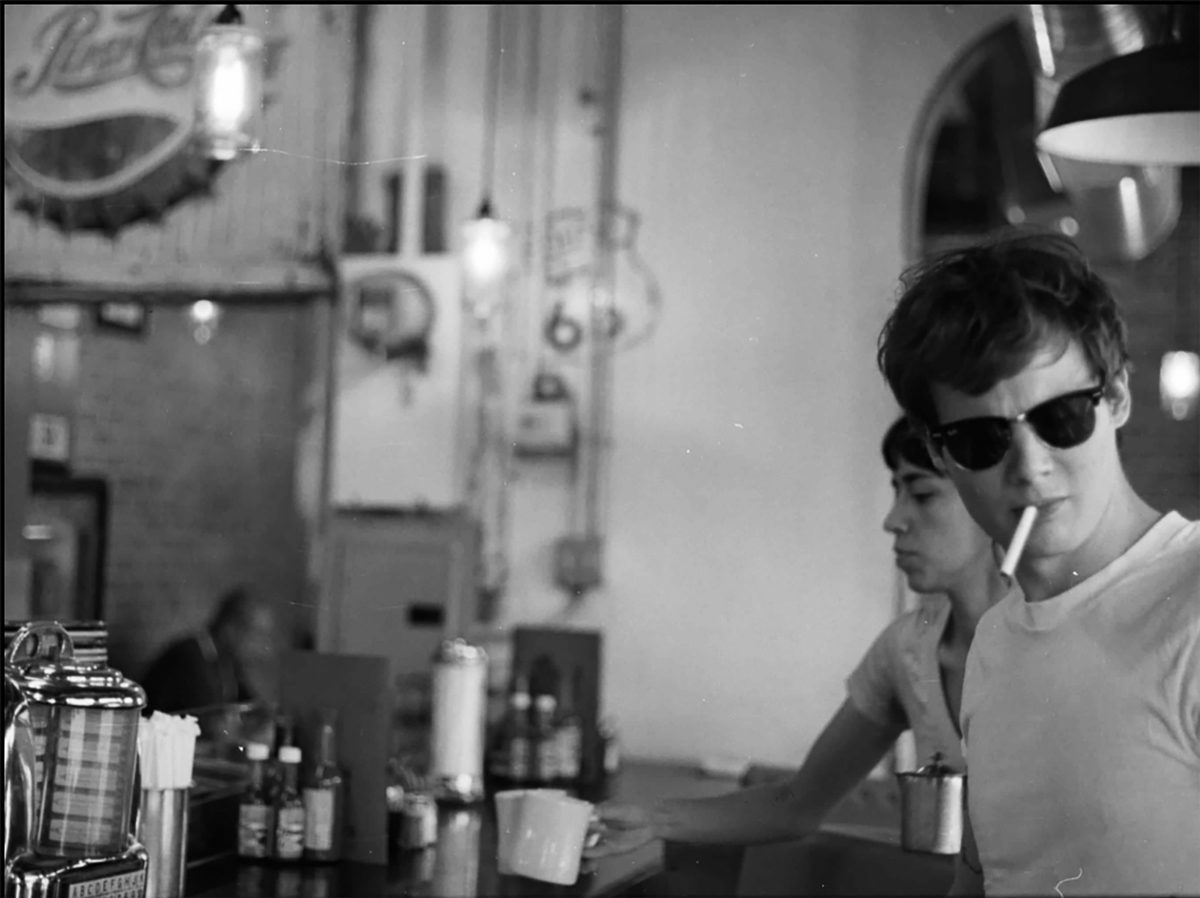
x=1120 y=402
x=935 y=456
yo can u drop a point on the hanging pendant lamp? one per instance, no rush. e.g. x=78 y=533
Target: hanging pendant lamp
x=228 y=83
x=1142 y=108
x=486 y=254
x=485 y=248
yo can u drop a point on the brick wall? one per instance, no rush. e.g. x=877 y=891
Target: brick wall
x=198 y=444
x=1162 y=456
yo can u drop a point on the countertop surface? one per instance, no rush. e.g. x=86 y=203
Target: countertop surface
x=861 y=831
x=463 y=862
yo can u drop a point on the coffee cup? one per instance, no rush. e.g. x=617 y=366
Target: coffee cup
x=508 y=807
x=541 y=834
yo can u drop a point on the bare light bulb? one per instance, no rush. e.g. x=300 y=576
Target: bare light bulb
x=204 y=314
x=204 y=311
x=227 y=103
x=485 y=252
x=228 y=87
x=1179 y=383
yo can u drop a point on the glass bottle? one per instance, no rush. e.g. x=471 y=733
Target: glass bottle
x=289 y=807
x=569 y=734
x=324 y=796
x=518 y=739
x=256 y=813
x=545 y=752
x=610 y=746
x=284 y=733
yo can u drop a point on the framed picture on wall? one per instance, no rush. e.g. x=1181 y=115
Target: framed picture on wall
x=124 y=317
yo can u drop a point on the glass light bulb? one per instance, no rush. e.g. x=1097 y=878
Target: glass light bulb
x=204 y=311
x=1179 y=383
x=227 y=97
x=228 y=87
x=485 y=253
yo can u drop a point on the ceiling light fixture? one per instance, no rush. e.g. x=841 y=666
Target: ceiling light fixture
x=1142 y=108
x=228 y=86
x=205 y=315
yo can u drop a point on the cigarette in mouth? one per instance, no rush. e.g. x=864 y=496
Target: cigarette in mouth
x=1017 y=546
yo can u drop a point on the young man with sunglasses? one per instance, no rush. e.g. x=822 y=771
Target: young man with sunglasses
x=1081 y=700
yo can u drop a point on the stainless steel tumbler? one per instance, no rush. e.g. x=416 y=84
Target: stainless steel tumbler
x=162 y=829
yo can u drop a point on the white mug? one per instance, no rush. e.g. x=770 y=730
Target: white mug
x=508 y=808
x=546 y=836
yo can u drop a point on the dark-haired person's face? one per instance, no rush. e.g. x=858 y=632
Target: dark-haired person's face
x=935 y=541
x=1072 y=487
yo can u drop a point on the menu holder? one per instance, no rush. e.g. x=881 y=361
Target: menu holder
x=556 y=658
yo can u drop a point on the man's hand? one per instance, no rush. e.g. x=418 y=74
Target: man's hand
x=617 y=829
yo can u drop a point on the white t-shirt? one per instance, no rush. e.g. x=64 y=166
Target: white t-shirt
x=1081 y=719
x=899 y=682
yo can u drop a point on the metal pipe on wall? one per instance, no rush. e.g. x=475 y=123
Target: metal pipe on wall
x=596 y=447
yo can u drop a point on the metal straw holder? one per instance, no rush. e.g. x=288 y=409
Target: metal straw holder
x=162 y=828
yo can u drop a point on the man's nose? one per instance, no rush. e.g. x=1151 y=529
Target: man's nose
x=1028 y=457
x=893 y=521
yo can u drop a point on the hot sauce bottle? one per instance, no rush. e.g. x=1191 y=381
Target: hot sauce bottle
x=324 y=797
x=289 y=807
x=256 y=812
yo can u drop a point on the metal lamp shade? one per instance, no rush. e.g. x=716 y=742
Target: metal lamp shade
x=1139 y=109
x=228 y=83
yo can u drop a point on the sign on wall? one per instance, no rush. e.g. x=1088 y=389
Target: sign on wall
x=98 y=111
x=49 y=437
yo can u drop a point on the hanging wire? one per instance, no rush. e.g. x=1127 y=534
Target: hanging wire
x=491 y=90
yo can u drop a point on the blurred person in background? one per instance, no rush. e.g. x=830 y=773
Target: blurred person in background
x=910 y=678
x=234 y=658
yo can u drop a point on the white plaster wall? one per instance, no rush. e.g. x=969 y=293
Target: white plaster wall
x=747 y=570
x=765 y=148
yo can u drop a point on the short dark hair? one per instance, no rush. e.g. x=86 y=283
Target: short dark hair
x=971 y=317
x=905 y=442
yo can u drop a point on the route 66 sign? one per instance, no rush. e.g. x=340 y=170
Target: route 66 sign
x=632 y=312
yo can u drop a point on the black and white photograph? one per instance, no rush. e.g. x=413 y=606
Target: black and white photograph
x=601 y=450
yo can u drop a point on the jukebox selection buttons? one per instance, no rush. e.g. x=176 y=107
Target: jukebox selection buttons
x=123 y=885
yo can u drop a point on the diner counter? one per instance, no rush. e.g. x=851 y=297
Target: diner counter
x=463 y=862
x=856 y=851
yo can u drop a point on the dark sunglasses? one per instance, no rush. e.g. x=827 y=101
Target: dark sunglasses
x=1062 y=422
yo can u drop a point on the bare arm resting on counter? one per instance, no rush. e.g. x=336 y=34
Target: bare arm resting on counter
x=847 y=749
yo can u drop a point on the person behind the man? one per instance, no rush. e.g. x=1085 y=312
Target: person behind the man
x=1081 y=699
x=227 y=661
x=909 y=679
